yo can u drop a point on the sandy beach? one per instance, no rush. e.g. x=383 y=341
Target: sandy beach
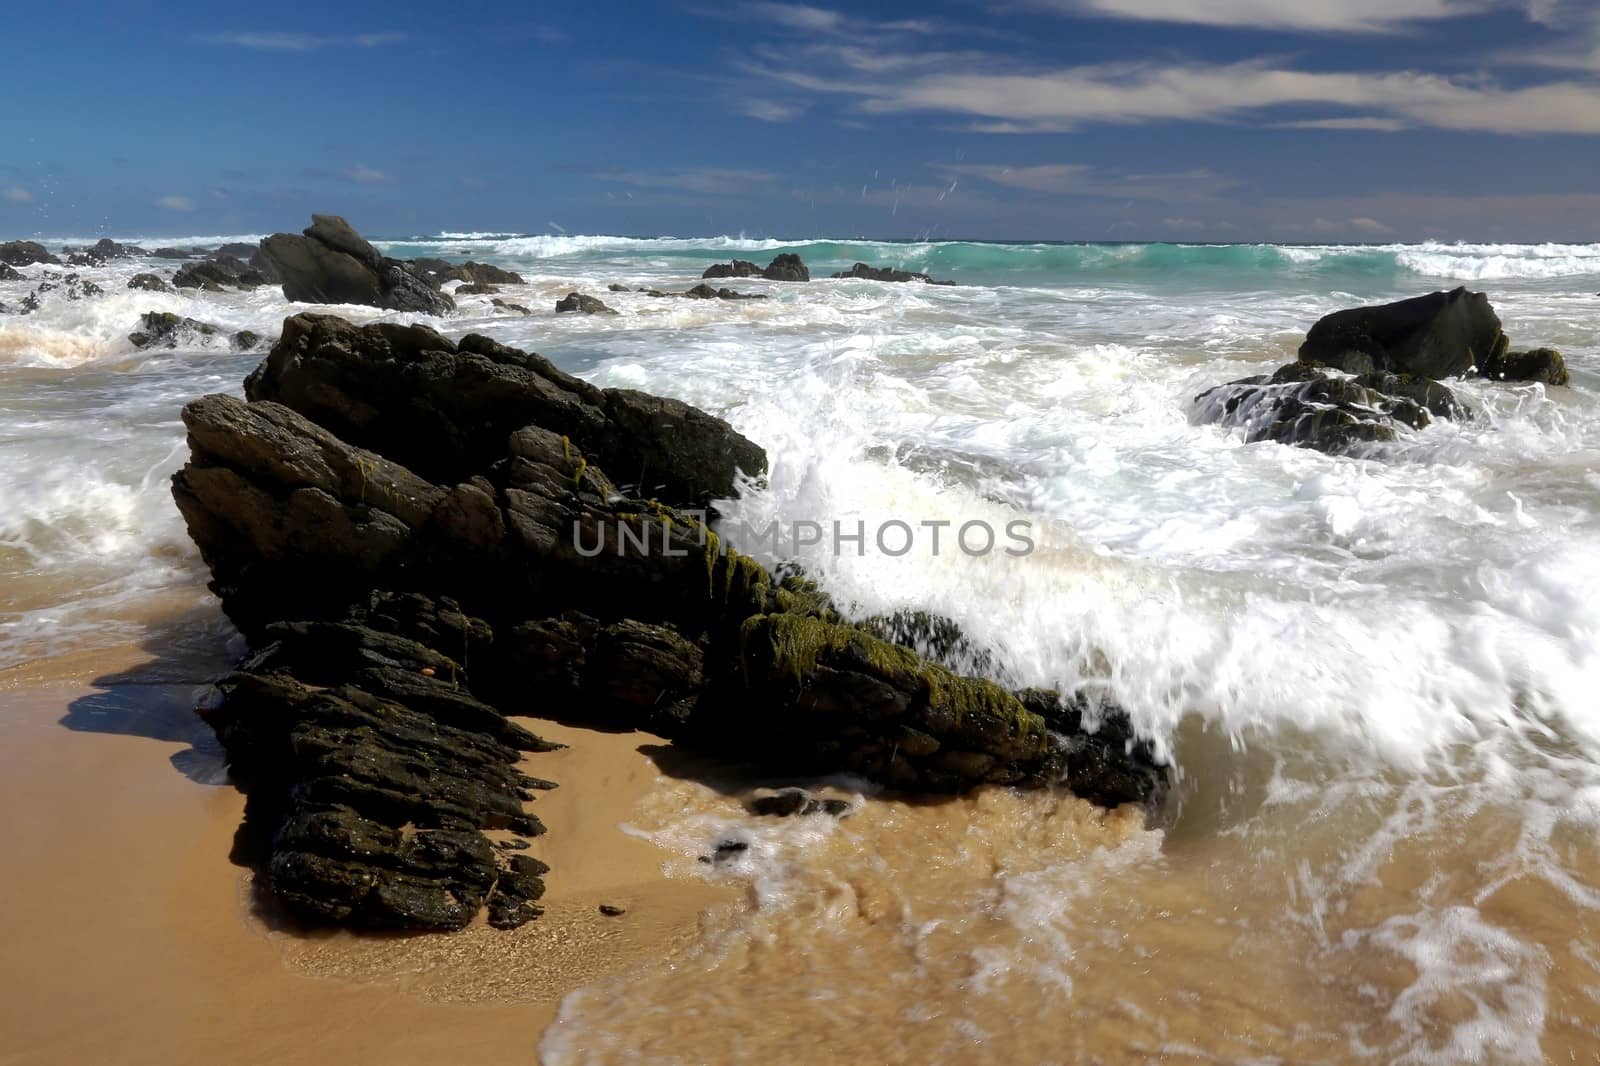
x=132 y=939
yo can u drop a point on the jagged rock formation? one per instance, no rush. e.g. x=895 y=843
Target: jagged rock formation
x=418 y=538
x=163 y=329
x=1366 y=373
x=439 y=271
x=147 y=282
x=332 y=264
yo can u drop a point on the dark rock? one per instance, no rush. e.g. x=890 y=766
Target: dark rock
x=447 y=411
x=476 y=288
x=163 y=329
x=615 y=287
x=577 y=301
x=244 y=341
x=786 y=267
x=147 y=282
x=1441 y=335
x=217 y=274
x=706 y=292
x=793 y=802
x=611 y=910
x=68 y=287
x=1310 y=407
x=1541 y=364
x=7 y=273
x=172 y=253
x=739 y=268
x=332 y=263
x=235 y=250
x=871 y=273
x=419 y=542
x=439 y=271
x=506 y=306
x=103 y=251
x=728 y=850
x=24 y=253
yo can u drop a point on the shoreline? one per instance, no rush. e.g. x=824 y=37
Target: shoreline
x=134 y=939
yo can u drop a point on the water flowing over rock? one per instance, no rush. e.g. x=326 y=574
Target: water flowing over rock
x=331 y=263
x=147 y=282
x=1347 y=406
x=163 y=329
x=423 y=540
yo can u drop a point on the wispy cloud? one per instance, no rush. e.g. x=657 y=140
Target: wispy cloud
x=364 y=175
x=1335 y=16
x=995 y=94
x=1076 y=179
x=16 y=194
x=1354 y=122
x=769 y=110
x=176 y=203
x=273 y=41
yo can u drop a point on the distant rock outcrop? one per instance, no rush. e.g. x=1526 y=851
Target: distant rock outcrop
x=332 y=263
x=784 y=267
x=865 y=272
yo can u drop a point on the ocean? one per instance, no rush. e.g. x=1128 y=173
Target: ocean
x=1375 y=675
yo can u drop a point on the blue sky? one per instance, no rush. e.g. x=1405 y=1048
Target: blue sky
x=1300 y=120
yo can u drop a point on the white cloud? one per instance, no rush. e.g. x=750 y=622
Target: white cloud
x=364 y=175
x=16 y=194
x=300 y=42
x=1355 y=122
x=1000 y=99
x=1339 y=16
x=176 y=203
x=1368 y=225
x=769 y=110
x=1077 y=179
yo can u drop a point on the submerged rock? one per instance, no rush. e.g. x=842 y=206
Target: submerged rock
x=577 y=301
x=477 y=288
x=147 y=282
x=872 y=273
x=332 y=263
x=163 y=329
x=1313 y=407
x=7 y=273
x=25 y=253
x=1542 y=364
x=68 y=287
x=218 y=274
x=419 y=539
x=507 y=306
x=1440 y=335
x=244 y=341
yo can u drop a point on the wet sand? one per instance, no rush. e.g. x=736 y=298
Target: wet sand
x=130 y=938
